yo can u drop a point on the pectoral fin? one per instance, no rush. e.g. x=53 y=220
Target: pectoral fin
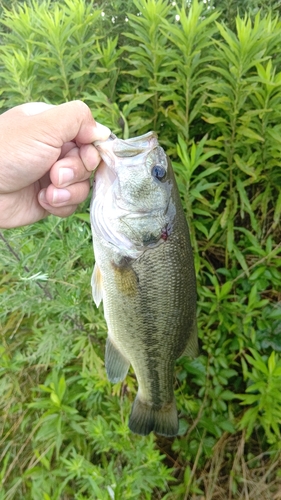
x=96 y=283
x=125 y=278
x=116 y=364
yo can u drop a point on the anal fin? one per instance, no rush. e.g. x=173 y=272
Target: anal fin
x=116 y=364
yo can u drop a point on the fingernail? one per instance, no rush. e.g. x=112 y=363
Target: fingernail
x=65 y=175
x=61 y=195
x=42 y=195
x=102 y=132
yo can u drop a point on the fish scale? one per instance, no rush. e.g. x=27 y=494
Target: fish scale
x=147 y=285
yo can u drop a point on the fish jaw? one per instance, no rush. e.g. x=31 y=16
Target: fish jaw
x=114 y=150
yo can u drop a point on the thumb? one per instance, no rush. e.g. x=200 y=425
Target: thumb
x=66 y=122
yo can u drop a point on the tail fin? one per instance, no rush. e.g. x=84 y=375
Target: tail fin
x=146 y=417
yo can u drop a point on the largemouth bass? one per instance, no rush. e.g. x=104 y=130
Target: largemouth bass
x=144 y=274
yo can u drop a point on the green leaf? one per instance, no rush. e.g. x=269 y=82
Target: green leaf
x=277 y=211
x=243 y=166
x=84 y=217
x=214 y=119
x=241 y=259
x=225 y=289
x=227 y=395
x=61 y=387
x=271 y=363
x=247 y=132
x=55 y=399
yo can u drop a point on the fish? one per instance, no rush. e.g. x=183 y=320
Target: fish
x=144 y=274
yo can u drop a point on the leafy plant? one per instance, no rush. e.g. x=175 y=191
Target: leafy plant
x=263 y=394
x=209 y=84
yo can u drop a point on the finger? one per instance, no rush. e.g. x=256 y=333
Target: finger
x=66 y=148
x=53 y=197
x=70 y=121
x=72 y=169
x=61 y=211
x=90 y=157
x=44 y=182
x=68 y=170
x=76 y=166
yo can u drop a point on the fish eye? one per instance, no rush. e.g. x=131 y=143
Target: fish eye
x=158 y=172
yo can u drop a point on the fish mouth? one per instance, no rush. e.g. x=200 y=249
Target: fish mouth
x=128 y=148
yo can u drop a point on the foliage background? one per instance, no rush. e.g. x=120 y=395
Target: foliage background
x=210 y=84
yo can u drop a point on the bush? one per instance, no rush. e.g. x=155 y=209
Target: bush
x=211 y=88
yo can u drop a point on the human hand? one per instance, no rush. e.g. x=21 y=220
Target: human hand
x=46 y=159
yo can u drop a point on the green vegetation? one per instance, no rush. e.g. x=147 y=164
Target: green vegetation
x=210 y=85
